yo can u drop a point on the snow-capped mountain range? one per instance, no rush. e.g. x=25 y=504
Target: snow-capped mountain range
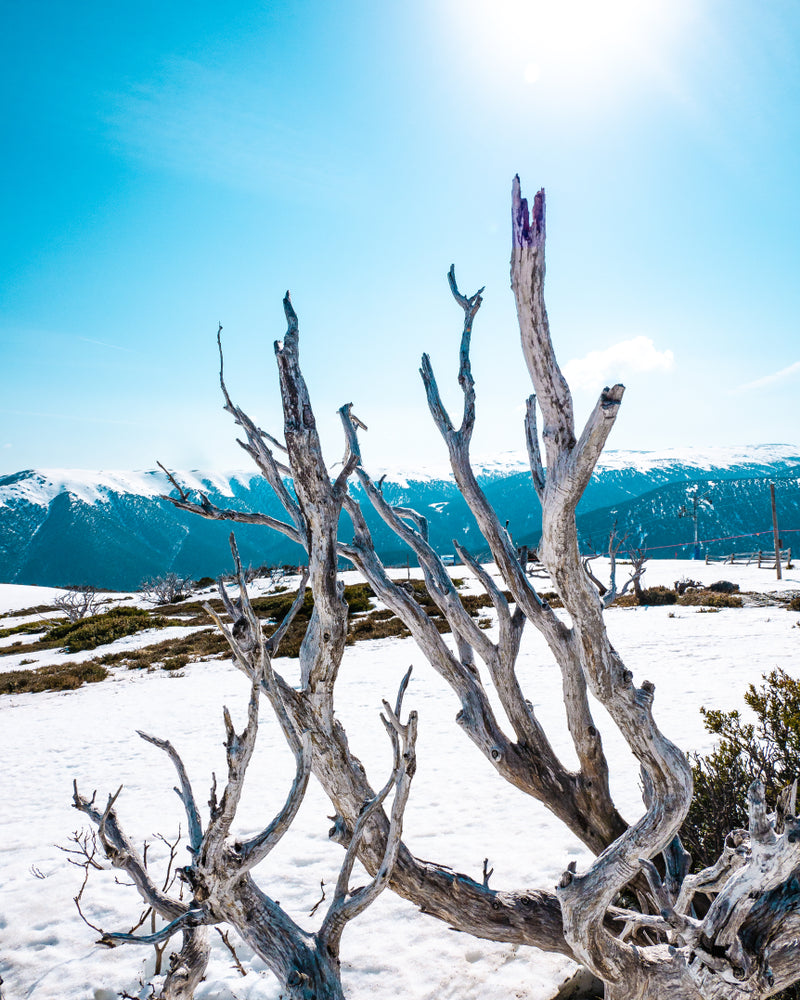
x=111 y=529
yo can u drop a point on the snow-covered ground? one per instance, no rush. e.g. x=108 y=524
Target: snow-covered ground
x=459 y=812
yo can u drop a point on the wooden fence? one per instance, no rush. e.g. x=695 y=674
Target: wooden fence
x=765 y=559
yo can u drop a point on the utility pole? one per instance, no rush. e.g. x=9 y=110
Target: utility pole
x=775 y=535
x=697 y=502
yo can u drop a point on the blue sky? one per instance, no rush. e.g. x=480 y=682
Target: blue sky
x=170 y=166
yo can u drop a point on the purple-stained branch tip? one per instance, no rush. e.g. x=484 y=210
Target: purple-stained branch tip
x=528 y=228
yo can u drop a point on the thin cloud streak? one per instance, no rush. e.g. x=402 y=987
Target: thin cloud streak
x=72 y=416
x=779 y=376
x=102 y=343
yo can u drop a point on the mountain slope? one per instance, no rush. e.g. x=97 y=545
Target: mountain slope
x=112 y=529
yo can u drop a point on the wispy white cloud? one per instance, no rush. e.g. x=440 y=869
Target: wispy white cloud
x=597 y=368
x=780 y=376
x=102 y=343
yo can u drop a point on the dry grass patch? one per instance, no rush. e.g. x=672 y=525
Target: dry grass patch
x=710 y=599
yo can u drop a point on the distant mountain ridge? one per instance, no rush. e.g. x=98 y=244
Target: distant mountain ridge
x=109 y=528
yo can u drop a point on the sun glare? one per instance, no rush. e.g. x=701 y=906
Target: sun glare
x=575 y=48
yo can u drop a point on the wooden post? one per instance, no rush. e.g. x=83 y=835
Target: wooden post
x=775 y=530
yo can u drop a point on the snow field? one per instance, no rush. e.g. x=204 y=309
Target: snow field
x=459 y=812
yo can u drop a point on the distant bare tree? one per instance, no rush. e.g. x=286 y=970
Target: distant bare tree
x=610 y=593
x=272 y=575
x=78 y=602
x=638 y=558
x=166 y=589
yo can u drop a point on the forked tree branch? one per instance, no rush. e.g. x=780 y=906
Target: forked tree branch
x=122 y=854
x=185 y=793
x=592 y=788
x=252 y=852
x=347 y=905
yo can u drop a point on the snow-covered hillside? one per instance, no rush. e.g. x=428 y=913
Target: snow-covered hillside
x=48 y=740
x=41 y=486
x=111 y=529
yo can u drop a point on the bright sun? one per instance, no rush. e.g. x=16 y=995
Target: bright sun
x=577 y=48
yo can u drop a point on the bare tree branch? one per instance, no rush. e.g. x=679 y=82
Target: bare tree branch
x=253 y=851
x=346 y=905
x=185 y=793
x=122 y=854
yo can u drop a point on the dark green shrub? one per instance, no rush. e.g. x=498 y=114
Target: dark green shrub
x=98 y=630
x=658 y=595
x=359 y=597
x=794 y=604
x=28 y=628
x=723 y=587
x=768 y=749
x=204 y=581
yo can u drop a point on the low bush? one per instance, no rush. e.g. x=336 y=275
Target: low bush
x=768 y=749
x=359 y=597
x=29 y=628
x=376 y=626
x=794 y=604
x=207 y=644
x=552 y=599
x=710 y=599
x=723 y=587
x=657 y=595
x=57 y=677
x=175 y=662
x=99 y=630
x=38 y=609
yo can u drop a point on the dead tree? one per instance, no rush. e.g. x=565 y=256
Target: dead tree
x=744 y=947
x=637 y=557
x=165 y=589
x=78 y=602
x=221 y=888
